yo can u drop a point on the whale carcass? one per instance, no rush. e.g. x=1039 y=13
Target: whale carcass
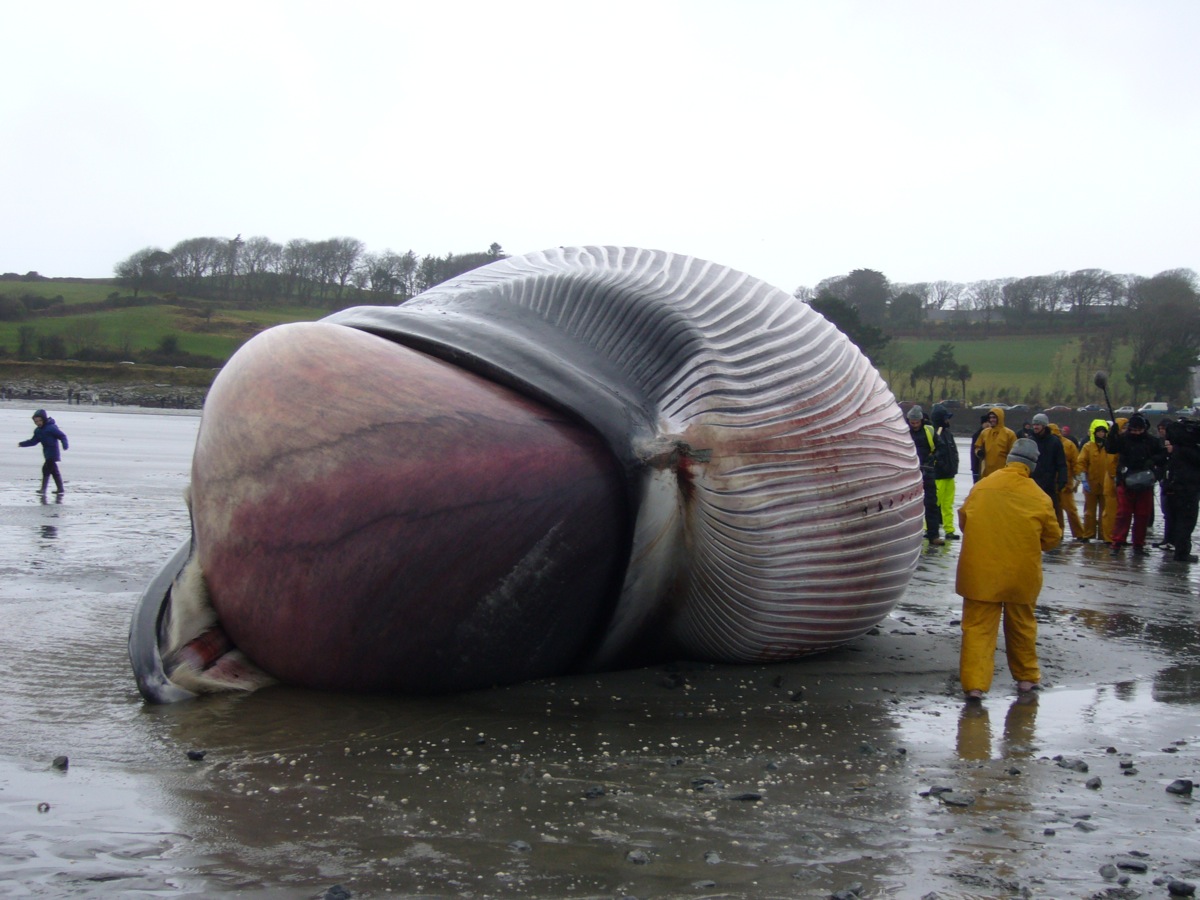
x=572 y=460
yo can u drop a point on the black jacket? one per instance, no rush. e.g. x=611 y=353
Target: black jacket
x=1137 y=452
x=945 y=458
x=1050 y=473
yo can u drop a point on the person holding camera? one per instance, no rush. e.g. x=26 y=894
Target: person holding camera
x=1182 y=486
x=1141 y=459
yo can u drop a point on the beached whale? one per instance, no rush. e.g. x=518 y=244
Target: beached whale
x=573 y=460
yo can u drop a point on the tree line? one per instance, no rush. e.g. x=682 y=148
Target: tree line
x=334 y=272
x=1157 y=316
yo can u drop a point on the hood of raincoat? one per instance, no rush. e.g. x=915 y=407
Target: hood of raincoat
x=999 y=416
x=941 y=416
x=1096 y=423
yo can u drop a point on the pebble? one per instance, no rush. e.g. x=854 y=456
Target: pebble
x=1108 y=871
x=1132 y=865
x=1180 y=786
x=594 y=791
x=1094 y=783
x=337 y=892
x=1181 y=889
x=637 y=857
x=196 y=755
x=712 y=857
x=952 y=798
x=520 y=847
x=1073 y=763
x=1085 y=826
x=61 y=763
x=1049 y=832
x=852 y=892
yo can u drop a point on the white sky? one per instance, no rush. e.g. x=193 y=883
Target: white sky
x=793 y=140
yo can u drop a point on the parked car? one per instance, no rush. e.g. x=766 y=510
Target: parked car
x=1018 y=408
x=1154 y=408
x=1091 y=407
x=1124 y=410
x=1057 y=409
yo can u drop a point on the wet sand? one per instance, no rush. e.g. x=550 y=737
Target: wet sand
x=698 y=781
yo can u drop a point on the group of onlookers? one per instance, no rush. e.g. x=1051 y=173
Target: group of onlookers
x=1119 y=469
x=1024 y=488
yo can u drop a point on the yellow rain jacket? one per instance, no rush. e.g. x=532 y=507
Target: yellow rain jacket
x=1093 y=458
x=1071 y=452
x=1006 y=521
x=995 y=442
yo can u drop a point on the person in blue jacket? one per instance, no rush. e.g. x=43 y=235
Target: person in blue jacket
x=48 y=434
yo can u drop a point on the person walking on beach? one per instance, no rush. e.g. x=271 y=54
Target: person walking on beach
x=49 y=435
x=1006 y=523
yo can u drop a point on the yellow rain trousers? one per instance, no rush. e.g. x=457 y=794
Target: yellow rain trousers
x=1066 y=497
x=1006 y=522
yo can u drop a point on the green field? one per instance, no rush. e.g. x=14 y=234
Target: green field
x=1036 y=369
x=140 y=329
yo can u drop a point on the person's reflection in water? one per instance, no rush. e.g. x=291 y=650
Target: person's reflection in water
x=1019 y=728
x=50 y=532
x=974 y=732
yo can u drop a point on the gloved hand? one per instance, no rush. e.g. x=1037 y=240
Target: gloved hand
x=1086 y=489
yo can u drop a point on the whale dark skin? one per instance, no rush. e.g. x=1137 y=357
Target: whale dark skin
x=418 y=533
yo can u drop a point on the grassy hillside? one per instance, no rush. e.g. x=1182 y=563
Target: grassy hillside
x=1040 y=370
x=200 y=328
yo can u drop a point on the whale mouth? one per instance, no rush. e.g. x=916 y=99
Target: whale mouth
x=178 y=648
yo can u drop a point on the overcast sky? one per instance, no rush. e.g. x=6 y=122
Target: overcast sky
x=792 y=140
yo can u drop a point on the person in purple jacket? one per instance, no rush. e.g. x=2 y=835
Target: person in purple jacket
x=48 y=434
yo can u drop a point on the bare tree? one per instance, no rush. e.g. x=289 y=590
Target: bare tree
x=1084 y=289
x=944 y=294
x=196 y=259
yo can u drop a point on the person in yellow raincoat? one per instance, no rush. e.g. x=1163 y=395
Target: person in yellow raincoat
x=1066 y=497
x=1108 y=525
x=1006 y=523
x=993 y=443
x=1093 y=470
